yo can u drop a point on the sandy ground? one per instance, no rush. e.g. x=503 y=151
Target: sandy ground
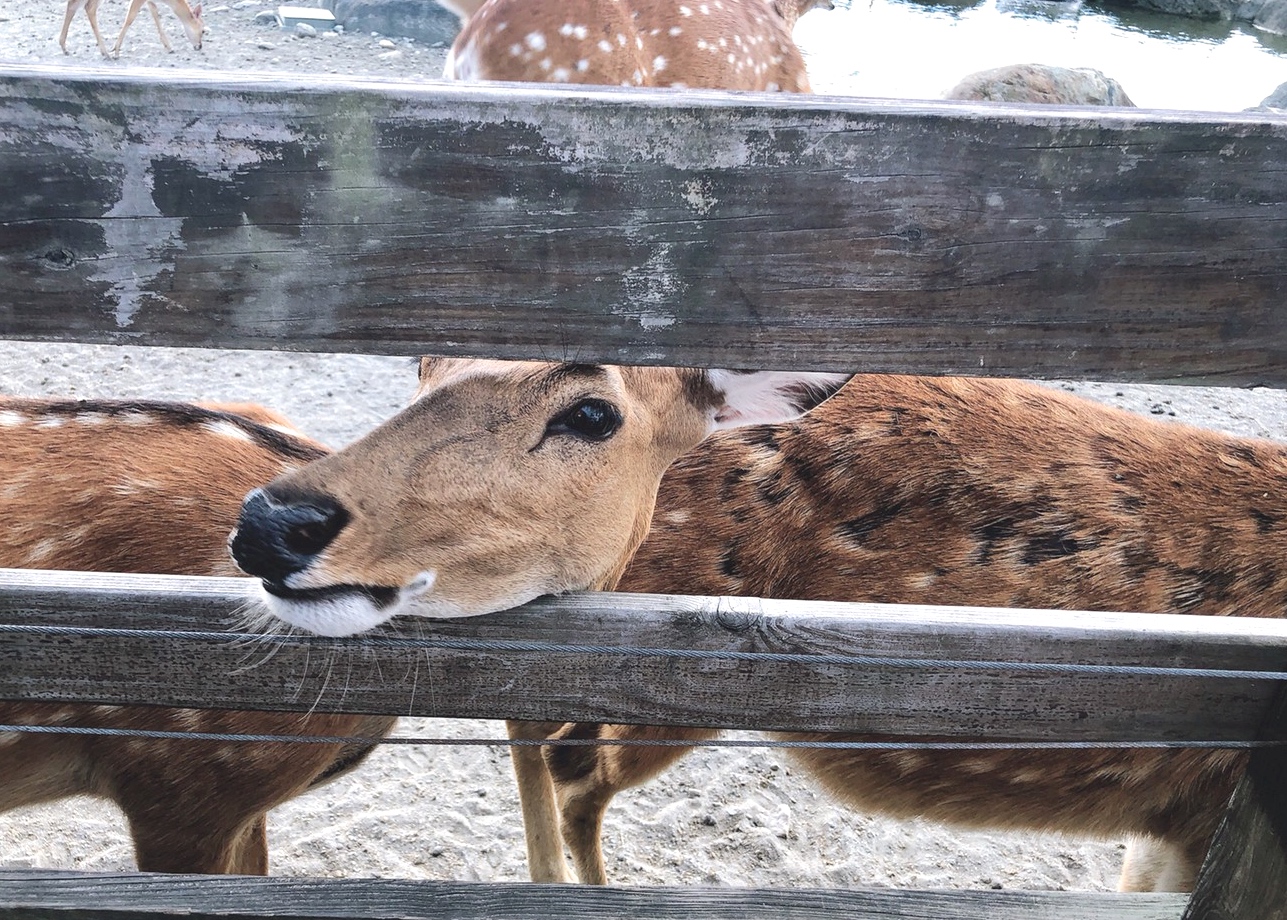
x=722 y=817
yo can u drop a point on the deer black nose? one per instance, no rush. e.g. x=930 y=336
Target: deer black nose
x=278 y=535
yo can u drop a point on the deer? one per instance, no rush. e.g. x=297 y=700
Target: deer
x=154 y=487
x=502 y=482
x=703 y=44
x=189 y=18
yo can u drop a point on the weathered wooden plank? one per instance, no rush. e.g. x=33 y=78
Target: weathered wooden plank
x=538 y=683
x=35 y=895
x=645 y=226
x=1245 y=873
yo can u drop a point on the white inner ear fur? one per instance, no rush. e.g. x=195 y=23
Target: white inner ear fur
x=767 y=397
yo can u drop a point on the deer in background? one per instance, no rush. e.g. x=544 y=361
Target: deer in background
x=502 y=482
x=189 y=18
x=154 y=488
x=703 y=44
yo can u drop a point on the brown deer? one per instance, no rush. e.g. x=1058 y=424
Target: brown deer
x=703 y=44
x=502 y=482
x=154 y=488
x=189 y=18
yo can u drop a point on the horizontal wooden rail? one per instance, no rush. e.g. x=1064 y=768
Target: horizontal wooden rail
x=643 y=226
x=89 y=896
x=587 y=685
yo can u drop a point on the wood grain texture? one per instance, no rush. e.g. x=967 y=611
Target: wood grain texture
x=642 y=226
x=356 y=675
x=1244 y=876
x=34 y=895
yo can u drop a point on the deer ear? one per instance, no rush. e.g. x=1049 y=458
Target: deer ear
x=766 y=397
x=196 y=11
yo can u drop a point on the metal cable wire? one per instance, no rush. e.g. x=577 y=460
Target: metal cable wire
x=521 y=645
x=634 y=742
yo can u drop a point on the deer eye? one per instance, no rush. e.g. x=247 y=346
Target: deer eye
x=592 y=419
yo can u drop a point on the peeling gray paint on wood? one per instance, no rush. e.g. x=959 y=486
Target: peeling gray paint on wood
x=609 y=686
x=645 y=226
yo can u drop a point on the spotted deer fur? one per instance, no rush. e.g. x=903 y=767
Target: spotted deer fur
x=975 y=492
x=700 y=44
x=154 y=488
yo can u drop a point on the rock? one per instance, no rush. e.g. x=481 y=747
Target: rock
x=245 y=4
x=304 y=30
x=1041 y=83
x=218 y=9
x=1194 y=9
x=1272 y=17
x=386 y=44
x=265 y=18
x=1274 y=102
x=423 y=20
x=390 y=55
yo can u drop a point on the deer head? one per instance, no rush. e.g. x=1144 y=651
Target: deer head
x=501 y=482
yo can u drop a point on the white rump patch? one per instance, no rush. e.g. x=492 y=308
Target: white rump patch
x=10 y=419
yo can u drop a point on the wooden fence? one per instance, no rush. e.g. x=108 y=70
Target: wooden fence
x=650 y=227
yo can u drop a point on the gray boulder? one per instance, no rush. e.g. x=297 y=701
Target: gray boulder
x=1194 y=9
x=1041 y=83
x=423 y=20
x=1274 y=102
x=1272 y=17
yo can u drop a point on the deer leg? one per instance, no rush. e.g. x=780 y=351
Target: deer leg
x=250 y=854
x=73 y=7
x=91 y=13
x=179 y=828
x=160 y=29
x=1152 y=864
x=130 y=14
x=587 y=778
x=200 y=848
x=545 y=862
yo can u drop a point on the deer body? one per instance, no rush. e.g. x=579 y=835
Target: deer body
x=189 y=17
x=708 y=44
x=898 y=489
x=154 y=488
x=977 y=492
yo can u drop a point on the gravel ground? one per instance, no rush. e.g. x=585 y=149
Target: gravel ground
x=722 y=817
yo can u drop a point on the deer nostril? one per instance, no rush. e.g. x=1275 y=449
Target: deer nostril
x=313 y=537
x=278 y=535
